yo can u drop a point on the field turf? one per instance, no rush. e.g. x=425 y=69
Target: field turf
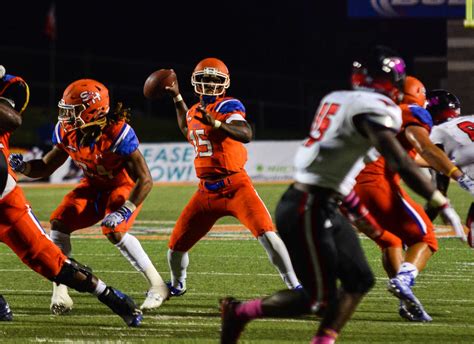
x=226 y=263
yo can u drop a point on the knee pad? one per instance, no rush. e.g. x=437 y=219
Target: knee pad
x=70 y=275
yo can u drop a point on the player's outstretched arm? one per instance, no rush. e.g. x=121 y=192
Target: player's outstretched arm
x=431 y=153
x=39 y=168
x=436 y=157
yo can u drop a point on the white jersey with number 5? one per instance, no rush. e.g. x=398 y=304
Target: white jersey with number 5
x=457 y=138
x=332 y=155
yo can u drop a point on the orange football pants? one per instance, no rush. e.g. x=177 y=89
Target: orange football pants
x=86 y=205
x=22 y=232
x=235 y=197
x=396 y=212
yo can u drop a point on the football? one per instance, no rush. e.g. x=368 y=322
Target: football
x=154 y=87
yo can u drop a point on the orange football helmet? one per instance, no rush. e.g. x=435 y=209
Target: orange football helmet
x=85 y=103
x=414 y=92
x=210 y=77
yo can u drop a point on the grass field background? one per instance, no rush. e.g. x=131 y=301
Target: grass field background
x=224 y=265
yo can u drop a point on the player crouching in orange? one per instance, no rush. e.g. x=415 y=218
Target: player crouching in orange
x=217 y=128
x=115 y=184
x=404 y=221
x=21 y=230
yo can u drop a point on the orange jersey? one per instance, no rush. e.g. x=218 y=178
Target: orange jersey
x=7 y=175
x=411 y=115
x=216 y=153
x=103 y=162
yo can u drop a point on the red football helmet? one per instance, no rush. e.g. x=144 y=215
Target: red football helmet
x=210 y=77
x=414 y=92
x=382 y=71
x=85 y=103
x=443 y=105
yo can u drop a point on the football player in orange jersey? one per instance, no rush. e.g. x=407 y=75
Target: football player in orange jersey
x=404 y=220
x=21 y=230
x=217 y=129
x=115 y=184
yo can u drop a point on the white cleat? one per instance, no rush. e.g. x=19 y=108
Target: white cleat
x=61 y=302
x=153 y=300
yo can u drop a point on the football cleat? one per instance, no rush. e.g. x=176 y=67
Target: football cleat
x=413 y=306
x=122 y=305
x=153 y=300
x=5 y=312
x=61 y=302
x=404 y=313
x=231 y=326
x=178 y=290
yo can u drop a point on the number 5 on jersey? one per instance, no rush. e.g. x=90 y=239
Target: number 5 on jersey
x=198 y=141
x=322 y=120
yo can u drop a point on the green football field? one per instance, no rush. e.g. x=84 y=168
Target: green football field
x=225 y=263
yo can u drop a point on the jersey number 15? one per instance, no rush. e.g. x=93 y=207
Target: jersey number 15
x=198 y=141
x=322 y=120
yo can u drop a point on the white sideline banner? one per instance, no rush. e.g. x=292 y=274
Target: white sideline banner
x=174 y=162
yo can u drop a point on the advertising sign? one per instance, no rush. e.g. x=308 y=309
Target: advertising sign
x=406 y=8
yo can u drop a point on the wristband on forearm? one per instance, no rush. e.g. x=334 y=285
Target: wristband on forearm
x=450 y=173
x=217 y=124
x=130 y=206
x=178 y=98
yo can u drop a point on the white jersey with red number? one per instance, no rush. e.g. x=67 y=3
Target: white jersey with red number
x=332 y=155
x=457 y=138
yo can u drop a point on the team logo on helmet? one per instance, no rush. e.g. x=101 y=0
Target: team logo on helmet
x=84 y=103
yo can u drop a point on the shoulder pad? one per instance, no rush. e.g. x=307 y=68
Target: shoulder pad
x=230 y=105
x=421 y=114
x=379 y=108
x=126 y=141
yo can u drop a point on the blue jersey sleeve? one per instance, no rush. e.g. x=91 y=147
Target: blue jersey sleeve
x=127 y=142
x=422 y=115
x=230 y=105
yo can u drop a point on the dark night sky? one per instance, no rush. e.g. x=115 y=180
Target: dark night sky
x=298 y=37
x=291 y=52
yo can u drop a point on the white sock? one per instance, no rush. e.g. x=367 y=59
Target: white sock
x=178 y=263
x=133 y=251
x=100 y=288
x=408 y=272
x=62 y=240
x=278 y=254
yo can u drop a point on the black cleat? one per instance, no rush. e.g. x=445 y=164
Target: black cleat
x=231 y=326
x=122 y=305
x=5 y=312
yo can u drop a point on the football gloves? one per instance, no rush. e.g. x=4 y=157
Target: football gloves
x=122 y=214
x=466 y=183
x=17 y=163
